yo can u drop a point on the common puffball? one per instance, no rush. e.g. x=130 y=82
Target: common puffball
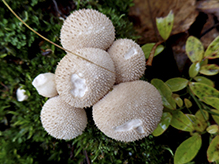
x=45 y=84
x=131 y=111
x=81 y=83
x=87 y=28
x=61 y=120
x=129 y=60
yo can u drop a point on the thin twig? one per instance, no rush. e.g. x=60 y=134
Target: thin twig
x=87 y=158
x=72 y=152
x=57 y=9
x=51 y=41
x=151 y=56
x=4 y=86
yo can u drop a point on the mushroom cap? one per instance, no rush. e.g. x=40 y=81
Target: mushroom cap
x=87 y=28
x=61 y=120
x=45 y=84
x=131 y=111
x=129 y=60
x=81 y=83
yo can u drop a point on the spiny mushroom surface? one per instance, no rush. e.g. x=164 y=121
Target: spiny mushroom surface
x=131 y=111
x=81 y=83
x=87 y=28
x=129 y=60
x=61 y=120
x=45 y=84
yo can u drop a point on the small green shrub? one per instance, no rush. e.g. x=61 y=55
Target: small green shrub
x=192 y=103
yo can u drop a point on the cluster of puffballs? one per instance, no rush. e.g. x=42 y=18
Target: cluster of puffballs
x=99 y=72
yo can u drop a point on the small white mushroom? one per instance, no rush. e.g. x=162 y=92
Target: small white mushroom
x=20 y=93
x=81 y=83
x=87 y=28
x=131 y=111
x=61 y=120
x=129 y=60
x=45 y=84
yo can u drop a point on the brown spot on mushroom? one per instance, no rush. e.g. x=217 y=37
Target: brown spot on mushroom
x=61 y=120
x=87 y=28
x=131 y=111
x=129 y=60
x=80 y=83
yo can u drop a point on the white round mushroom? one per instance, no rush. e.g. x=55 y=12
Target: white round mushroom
x=45 y=84
x=61 y=120
x=87 y=28
x=81 y=83
x=131 y=111
x=21 y=96
x=129 y=60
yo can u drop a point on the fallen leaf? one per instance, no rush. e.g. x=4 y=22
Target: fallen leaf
x=207 y=38
x=144 y=15
x=209 y=6
x=179 y=52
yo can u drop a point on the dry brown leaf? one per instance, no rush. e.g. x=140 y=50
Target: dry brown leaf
x=211 y=35
x=209 y=6
x=179 y=52
x=142 y=15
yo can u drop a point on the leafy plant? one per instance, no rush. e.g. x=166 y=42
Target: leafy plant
x=192 y=104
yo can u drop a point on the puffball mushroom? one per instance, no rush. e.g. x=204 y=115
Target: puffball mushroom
x=21 y=96
x=131 y=111
x=87 y=28
x=61 y=120
x=45 y=84
x=81 y=83
x=129 y=60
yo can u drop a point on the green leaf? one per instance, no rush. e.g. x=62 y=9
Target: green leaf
x=204 y=62
x=215 y=117
x=177 y=84
x=194 y=69
x=188 y=149
x=203 y=90
x=178 y=100
x=198 y=125
x=213 y=150
x=148 y=47
x=3 y=55
x=165 y=92
x=204 y=80
x=212 y=51
x=188 y=103
x=210 y=69
x=206 y=93
x=181 y=121
x=165 y=25
x=163 y=125
x=213 y=101
x=202 y=115
x=212 y=129
x=194 y=49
